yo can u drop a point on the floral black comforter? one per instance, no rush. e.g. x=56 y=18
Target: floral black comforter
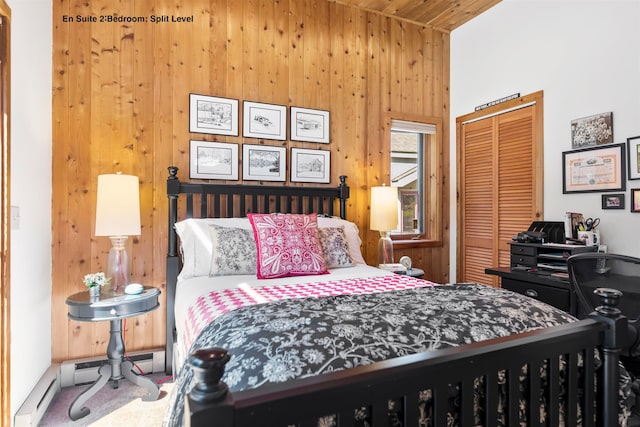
x=282 y=340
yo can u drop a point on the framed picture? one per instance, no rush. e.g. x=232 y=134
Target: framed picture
x=592 y=130
x=213 y=160
x=613 y=201
x=264 y=121
x=309 y=125
x=594 y=169
x=633 y=146
x=264 y=163
x=310 y=165
x=635 y=200
x=210 y=114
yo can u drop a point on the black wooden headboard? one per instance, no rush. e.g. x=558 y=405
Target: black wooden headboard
x=204 y=200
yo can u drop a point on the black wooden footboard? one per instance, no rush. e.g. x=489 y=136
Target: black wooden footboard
x=301 y=402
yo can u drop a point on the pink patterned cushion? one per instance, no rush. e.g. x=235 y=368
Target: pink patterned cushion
x=287 y=244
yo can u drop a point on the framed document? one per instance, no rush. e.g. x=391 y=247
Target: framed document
x=600 y=169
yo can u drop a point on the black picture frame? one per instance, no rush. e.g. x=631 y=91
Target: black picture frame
x=635 y=200
x=594 y=169
x=613 y=201
x=213 y=160
x=310 y=165
x=264 y=163
x=592 y=130
x=310 y=125
x=264 y=121
x=633 y=150
x=213 y=115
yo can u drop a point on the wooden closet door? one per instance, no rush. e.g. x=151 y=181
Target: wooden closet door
x=500 y=187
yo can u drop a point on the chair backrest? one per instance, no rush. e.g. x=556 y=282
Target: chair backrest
x=592 y=270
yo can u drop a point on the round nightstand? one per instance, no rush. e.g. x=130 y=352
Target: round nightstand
x=85 y=308
x=414 y=272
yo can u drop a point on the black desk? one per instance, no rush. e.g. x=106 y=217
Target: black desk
x=538 y=284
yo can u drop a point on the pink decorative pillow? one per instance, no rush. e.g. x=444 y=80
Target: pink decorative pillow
x=288 y=245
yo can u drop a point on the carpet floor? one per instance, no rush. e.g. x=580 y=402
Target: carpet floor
x=111 y=407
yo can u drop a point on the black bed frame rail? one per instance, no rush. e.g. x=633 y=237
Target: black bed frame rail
x=207 y=200
x=301 y=402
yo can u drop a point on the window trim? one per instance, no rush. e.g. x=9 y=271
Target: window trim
x=433 y=182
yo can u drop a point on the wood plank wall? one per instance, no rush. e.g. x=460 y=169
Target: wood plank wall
x=121 y=103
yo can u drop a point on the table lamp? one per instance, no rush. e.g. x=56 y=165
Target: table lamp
x=384 y=218
x=118 y=216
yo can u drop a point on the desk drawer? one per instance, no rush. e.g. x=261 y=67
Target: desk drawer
x=522 y=250
x=553 y=296
x=530 y=261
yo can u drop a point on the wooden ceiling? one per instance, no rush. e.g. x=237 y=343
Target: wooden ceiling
x=445 y=15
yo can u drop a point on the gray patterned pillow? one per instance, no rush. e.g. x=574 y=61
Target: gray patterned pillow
x=234 y=251
x=335 y=247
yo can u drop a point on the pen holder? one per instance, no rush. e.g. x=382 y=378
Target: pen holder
x=590 y=238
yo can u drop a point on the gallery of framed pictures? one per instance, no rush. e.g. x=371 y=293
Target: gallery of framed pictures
x=214 y=115
x=213 y=160
x=267 y=121
x=264 y=163
x=633 y=147
x=599 y=168
x=592 y=130
x=310 y=125
x=310 y=165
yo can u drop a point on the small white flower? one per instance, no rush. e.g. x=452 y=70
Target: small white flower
x=95 y=279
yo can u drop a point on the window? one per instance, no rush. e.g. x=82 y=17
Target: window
x=414 y=170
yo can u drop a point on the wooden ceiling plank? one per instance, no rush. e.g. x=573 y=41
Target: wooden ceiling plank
x=444 y=15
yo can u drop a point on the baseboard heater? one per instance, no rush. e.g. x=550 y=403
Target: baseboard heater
x=75 y=373
x=85 y=371
x=34 y=407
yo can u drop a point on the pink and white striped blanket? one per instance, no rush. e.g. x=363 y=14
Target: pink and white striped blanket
x=215 y=303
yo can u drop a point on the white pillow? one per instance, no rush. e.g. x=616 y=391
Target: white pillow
x=197 y=247
x=335 y=247
x=234 y=251
x=196 y=244
x=350 y=230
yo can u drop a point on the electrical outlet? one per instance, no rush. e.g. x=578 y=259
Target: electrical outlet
x=15 y=218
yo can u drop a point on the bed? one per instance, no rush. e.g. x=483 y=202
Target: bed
x=317 y=337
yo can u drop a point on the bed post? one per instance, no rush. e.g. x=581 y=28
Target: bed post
x=344 y=195
x=208 y=366
x=614 y=339
x=173 y=266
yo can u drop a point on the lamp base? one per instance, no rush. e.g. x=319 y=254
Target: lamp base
x=385 y=248
x=118 y=264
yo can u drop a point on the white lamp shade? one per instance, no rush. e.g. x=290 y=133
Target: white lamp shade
x=384 y=208
x=118 y=205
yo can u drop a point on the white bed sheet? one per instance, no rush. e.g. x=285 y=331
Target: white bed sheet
x=188 y=290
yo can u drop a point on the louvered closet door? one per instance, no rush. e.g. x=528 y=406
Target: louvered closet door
x=501 y=176
x=478 y=207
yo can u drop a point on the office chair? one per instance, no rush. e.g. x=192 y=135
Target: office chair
x=592 y=270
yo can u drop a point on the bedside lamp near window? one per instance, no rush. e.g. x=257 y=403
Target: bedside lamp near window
x=384 y=218
x=118 y=216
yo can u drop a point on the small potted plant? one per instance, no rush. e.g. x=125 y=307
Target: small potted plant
x=94 y=282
